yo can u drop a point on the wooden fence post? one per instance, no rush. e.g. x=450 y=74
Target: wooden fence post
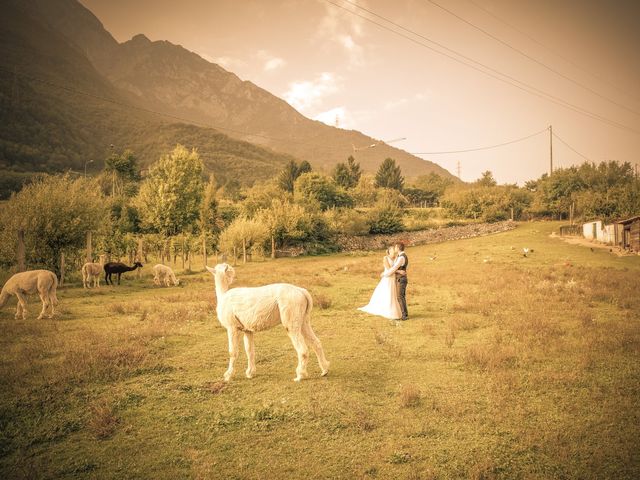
x=139 y=255
x=273 y=246
x=244 y=250
x=89 y=256
x=204 y=249
x=20 y=252
x=182 y=252
x=62 y=269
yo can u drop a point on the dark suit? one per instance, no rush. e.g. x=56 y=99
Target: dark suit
x=401 y=278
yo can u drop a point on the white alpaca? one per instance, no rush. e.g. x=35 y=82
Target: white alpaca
x=249 y=310
x=163 y=274
x=91 y=272
x=43 y=282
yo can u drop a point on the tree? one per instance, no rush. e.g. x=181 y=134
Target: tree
x=244 y=233
x=486 y=180
x=282 y=220
x=432 y=187
x=55 y=213
x=209 y=221
x=261 y=196
x=389 y=175
x=291 y=172
x=312 y=186
x=171 y=196
x=123 y=172
x=347 y=175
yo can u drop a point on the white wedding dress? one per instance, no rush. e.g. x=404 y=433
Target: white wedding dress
x=384 y=300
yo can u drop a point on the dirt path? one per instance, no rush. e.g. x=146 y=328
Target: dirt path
x=588 y=243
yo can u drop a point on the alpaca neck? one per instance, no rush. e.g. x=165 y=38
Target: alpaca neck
x=4 y=296
x=221 y=286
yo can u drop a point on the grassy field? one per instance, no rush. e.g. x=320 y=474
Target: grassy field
x=510 y=367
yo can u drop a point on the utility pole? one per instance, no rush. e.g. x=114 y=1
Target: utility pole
x=550 y=150
x=459 y=169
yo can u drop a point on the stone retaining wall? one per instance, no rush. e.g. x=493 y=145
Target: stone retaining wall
x=349 y=243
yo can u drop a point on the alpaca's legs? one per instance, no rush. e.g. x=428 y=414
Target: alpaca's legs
x=18 y=314
x=52 y=305
x=22 y=306
x=303 y=355
x=233 y=352
x=251 y=354
x=44 y=297
x=311 y=337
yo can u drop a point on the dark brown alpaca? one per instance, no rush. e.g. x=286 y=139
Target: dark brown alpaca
x=118 y=268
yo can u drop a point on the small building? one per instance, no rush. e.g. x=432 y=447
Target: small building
x=629 y=231
x=597 y=231
x=609 y=234
x=590 y=229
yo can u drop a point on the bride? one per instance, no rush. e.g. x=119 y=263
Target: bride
x=384 y=301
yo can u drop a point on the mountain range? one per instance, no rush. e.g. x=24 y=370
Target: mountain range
x=69 y=90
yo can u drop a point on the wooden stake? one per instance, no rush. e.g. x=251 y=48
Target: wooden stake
x=89 y=255
x=204 y=249
x=244 y=251
x=61 y=269
x=20 y=252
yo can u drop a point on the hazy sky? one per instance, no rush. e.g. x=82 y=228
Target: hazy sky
x=329 y=63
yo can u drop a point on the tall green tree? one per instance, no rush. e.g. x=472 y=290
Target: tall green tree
x=389 y=175
x=486 y=180
x=311 y=187
x=347 y=175
x=290 y=173
x=209 y=221
x=123 y=173
x=55 y=213
x=171 y=196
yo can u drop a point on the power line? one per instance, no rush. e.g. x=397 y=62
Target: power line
x=571 y=148
x=554 y=52
x=533 y=59
x=508 y=79
x=489 y=147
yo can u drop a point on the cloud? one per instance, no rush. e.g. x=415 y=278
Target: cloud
x=308 y=94
x=336 y=117
x=345 y=30
x=271 y=62
x=274 y=64
x=228 y=63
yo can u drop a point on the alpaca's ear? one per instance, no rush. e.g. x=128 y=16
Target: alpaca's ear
x=212 y=271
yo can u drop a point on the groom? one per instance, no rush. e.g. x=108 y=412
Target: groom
x=400 y=270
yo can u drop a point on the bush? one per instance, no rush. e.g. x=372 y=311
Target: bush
x=347 y=221
x=385 y=218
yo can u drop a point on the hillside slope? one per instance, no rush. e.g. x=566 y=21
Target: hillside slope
x=58 y=112
x=170 y=79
